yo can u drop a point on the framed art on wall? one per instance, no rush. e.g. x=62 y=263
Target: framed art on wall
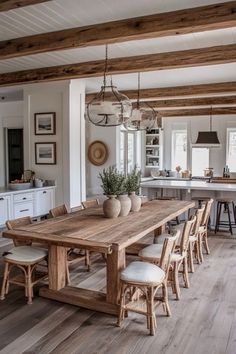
x=45 y=123
x=45 y=153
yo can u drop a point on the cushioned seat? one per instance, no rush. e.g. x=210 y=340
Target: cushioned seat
x=152 y=251
x=26 y=254
x=175 y=257
x=142 y=272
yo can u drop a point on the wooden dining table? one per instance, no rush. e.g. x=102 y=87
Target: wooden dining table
x=89 y=229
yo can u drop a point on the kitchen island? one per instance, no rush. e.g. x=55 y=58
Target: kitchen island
x=185 y=190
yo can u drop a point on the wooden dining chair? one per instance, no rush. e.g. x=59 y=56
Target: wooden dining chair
x=91 y=203
x=194 y=248
x=73 y=255
x=179 y=257
x=58 y=211
x=147 y=279
x=24 y=257
x=203 y=229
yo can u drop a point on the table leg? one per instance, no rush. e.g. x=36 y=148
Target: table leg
x=115 y=263
x=57 y=267
x=161 y=230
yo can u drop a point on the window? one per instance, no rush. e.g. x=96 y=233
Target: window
x=179 y=149
x=200 y=161
x=129 y=150
x=231 y=149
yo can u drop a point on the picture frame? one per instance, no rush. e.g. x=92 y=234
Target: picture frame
x=45 y=153
x=45 y=123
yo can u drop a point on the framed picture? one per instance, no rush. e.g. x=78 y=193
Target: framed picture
x=45 y=153
x=45 y=123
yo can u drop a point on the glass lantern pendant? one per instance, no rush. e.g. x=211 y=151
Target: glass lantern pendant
x=143 y=115
x=109 y=107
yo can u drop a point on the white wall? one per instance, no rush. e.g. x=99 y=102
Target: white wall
x=11 y=116
x=110 y=137
x=194 y=125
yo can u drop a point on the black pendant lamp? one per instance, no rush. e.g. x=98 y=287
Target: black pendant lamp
x=207 y=139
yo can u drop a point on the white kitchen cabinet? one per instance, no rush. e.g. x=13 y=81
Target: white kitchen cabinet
x=23 y=209
x=44 y=201
x=5 y=208
x=32 y=202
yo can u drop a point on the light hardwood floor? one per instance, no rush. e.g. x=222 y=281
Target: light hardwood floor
x=202 y=322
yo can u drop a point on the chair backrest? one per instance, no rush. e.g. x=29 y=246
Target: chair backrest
x=207 y=211
x=167 y=249
x=14 y=224
x=188 y=226
x=199 y=215
x=92 y=203
x=58 y=211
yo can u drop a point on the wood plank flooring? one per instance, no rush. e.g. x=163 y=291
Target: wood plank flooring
x=202 y=322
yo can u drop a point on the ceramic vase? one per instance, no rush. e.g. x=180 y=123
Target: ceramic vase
x=111 y=207
x=135 y=202
x=125 y=203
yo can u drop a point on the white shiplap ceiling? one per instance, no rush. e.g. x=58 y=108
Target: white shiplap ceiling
x=61 y=14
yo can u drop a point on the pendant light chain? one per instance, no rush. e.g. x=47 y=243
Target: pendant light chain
x=105 y=67
x=138 y=100
x=211 y=120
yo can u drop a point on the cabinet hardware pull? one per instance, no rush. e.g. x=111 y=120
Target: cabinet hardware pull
x=24 y=198
x=1 y=198
x=21 y=211
x=44 y=192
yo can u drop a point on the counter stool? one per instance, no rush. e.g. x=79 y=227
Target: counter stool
x=226 y=203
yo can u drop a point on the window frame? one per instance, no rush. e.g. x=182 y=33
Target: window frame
x=228 y=131
x=173 y=133
x=136 y=146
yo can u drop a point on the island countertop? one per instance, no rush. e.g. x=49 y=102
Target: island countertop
x=190 y=185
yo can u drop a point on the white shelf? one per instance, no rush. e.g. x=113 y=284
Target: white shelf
x=152 y=156
x=153 y=146
x=152 y=134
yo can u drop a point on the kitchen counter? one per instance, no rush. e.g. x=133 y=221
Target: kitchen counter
x=7 y=190
x=189 y=185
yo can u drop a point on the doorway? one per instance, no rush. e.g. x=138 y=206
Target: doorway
x=14 y=154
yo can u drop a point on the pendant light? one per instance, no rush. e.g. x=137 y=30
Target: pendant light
x=143 y=115
x=207 y=139
x=109 y=107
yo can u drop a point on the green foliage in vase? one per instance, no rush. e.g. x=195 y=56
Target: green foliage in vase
x=133 y=180
x=113 y=182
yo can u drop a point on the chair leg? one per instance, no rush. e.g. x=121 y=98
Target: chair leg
x=234 y=212
x=165 y=298
x=4 y=283
x=198 y=251
x=150 y=309
x=200 y=247
x=176 y=280
x=121 y=314
x=190 y=253
x=205 y=243
x=185 y=272
x=68 y=282
x=29 y=285
x=217 y=217
x=229 y=218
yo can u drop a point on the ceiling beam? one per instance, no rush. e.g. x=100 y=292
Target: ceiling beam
x=193 y=102
x=173 y=23
x=189 y=91
x=152 y=62
x=197 y=112
x=6 y=5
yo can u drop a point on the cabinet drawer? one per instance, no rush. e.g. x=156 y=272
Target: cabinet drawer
x=44 y=201
x=23 y=209
x=23 y=197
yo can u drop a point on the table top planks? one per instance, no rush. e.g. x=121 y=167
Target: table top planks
x=90 y=227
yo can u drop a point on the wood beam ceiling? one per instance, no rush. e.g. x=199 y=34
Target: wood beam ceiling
x=197 y=112
x=220 y=88
x=193 y=102
x=6 y=5
x=161 y=61
x=173 y=23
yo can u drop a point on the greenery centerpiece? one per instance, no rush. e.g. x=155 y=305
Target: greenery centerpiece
x=132 y=183
x=112 y=185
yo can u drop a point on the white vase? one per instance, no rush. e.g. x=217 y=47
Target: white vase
x=125 y=203
x=111 y=207
x=135 y=202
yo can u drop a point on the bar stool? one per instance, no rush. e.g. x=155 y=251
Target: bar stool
x=226 y=203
